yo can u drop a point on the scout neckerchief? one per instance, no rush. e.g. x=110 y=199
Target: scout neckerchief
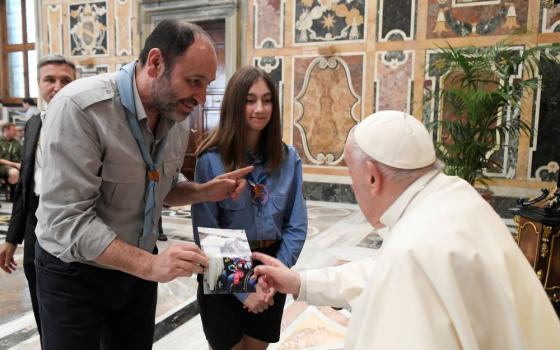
x=259 y=191
x=125 y=79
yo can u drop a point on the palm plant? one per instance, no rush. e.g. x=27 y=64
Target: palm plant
x=482 y=101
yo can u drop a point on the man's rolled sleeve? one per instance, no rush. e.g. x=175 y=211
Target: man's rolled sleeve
x=72 y=159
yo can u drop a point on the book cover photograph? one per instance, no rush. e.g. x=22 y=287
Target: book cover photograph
x=230 y=267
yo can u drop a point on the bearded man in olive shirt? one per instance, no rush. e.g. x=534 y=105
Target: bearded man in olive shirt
x=113 y=146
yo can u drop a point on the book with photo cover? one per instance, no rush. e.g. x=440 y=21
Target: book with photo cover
x=230 y=267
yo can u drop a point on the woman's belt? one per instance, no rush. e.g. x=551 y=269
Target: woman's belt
x=265 y=243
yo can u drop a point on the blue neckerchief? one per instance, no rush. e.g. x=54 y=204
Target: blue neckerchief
x=125 y=79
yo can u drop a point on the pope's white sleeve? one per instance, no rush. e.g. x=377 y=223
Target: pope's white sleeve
x=337 y=286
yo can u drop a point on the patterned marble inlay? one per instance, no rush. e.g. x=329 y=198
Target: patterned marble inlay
x=275 y=67
x=452 y=18
x=268 y=26
x=550 y=19
x=396 y=20
x=394 y=78
x=312 y=330
x=544 y=154
x=323 y=21
x=124 y=30
x=503 y=159
x=54 y=29
x=88 y=29
x=327 y=106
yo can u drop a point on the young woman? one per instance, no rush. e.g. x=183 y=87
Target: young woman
x=271 y=210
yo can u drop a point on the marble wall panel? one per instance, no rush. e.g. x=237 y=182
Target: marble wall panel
x=327 y=104
x=275 y=67
x=394 y=79
x=462 y=18
x=544 y=156
x=268 y=26
x=87 y=71
x=55 y=28
x=396 y=20
x=323 y=21
x=504 y=156
x=88 y=29
x=124 y=30
x=550 y=18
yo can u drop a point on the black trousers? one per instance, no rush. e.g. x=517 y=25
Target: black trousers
x=29 y=270
x=90 y=308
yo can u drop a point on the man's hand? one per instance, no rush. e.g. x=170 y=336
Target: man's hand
x=229 y=185
x=181 y=259
x=7 y=262
x=259 y=301
x=274 y=275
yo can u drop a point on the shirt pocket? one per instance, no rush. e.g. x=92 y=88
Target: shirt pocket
x=278 y=207
x=123 y=184
x=233 y=214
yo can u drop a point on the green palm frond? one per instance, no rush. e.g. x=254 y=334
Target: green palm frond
x=486 y=87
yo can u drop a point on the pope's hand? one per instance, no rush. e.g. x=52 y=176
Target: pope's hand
x=274 y=275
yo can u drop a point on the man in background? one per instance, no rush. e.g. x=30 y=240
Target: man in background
x=10 y=156
x=449 y=274
x=29 y=108
x=54 y=72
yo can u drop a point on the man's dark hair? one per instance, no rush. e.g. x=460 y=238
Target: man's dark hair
x=29 y=101
x=8 y=126
x=172 y=38
x=55 y=59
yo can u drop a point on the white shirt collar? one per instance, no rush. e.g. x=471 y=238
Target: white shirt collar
x=399 y=206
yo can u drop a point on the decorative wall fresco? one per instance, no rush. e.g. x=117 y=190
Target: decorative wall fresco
x=394 y=79
x=124 y=30
x=544 y=154
x=323 y=21
x=55 y=44
x=88 y=29
x=503 y=159
x=269 y=19
x=550 y=17
x=396 y=20
x=461 y=18
x=327 y=104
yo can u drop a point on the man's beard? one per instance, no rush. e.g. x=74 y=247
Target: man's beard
x=165 y=101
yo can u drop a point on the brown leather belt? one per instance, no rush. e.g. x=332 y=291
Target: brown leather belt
x=262 y=244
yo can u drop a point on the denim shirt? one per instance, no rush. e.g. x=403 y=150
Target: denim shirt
x=283 y=217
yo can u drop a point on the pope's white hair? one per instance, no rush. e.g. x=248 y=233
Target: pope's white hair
x=390 y=173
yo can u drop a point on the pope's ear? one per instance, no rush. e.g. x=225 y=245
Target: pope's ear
x=374 y=177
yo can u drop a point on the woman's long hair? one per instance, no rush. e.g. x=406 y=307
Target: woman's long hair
x=231 y=137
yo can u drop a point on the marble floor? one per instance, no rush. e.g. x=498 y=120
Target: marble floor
x=337 y=233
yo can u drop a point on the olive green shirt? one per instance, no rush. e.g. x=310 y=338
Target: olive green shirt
x=10 y=150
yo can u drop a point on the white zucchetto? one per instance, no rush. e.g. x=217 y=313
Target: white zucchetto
x=396 y=139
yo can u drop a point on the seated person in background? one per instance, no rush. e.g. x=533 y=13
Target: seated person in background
x=10 y=154
x=271 y=210
x=449 y=274
x=29 y=108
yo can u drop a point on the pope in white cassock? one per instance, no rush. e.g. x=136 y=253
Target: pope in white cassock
x=448 y=275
